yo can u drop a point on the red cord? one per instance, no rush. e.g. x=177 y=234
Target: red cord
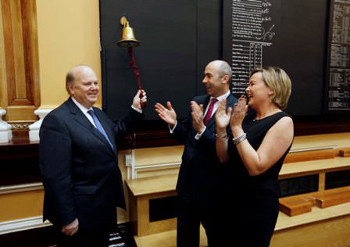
x=136 y=73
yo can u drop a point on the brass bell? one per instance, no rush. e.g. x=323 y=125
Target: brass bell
x=128 y=37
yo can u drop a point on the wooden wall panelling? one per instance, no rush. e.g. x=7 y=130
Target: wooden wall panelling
x=30 y=30
x=3 y=84
x=19 y=29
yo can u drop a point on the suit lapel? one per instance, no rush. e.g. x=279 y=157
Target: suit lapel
x=230 y=101
x=79 y=117
x=205 y=101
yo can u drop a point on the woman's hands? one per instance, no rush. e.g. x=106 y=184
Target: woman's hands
x=222 y=118
x=239 y=111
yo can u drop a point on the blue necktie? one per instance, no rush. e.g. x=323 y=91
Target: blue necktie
x=99 y=126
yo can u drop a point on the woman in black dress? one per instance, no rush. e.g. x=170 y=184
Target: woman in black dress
x=255 y=146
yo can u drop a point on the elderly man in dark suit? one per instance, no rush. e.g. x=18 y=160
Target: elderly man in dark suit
x=78 y=162
x=201 y=182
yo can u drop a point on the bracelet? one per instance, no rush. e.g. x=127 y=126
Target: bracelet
x=239 y=139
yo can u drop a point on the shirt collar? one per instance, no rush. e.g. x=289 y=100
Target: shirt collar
x=221 y=97
x=80 y=106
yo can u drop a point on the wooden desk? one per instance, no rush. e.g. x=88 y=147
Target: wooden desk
x=141 y=191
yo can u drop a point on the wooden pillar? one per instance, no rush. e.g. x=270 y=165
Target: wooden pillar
x=19 y=63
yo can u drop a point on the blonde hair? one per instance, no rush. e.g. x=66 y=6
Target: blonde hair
x=279 y=82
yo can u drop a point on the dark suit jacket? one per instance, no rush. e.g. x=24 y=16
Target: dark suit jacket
x=79 y=168
x=201 y=173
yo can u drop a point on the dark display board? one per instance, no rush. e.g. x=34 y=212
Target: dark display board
x=290 y=34
x=339 y=56
x=178 y=38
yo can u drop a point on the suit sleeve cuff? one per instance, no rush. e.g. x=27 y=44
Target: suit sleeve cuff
x=199 y=135
x=136 y=109
x=171 y=130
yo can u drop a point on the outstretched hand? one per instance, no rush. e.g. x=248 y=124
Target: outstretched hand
x=168 y=114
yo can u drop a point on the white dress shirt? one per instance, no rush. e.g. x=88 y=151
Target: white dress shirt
x=216 y=105
x=84 y=110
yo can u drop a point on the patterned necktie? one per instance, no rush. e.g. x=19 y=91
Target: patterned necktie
x=210 y=111
x=99 y=126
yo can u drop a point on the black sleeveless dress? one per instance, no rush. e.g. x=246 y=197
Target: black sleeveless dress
x=255 y=208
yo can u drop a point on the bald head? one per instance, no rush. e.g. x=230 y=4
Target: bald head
x=222 y=67
x=217 y=76
x=76 y=73
x=82 y=85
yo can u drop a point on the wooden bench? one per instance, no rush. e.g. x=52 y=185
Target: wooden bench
x=333 y=197
x=300 y=204
x=344 y=152
x=296 y=206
